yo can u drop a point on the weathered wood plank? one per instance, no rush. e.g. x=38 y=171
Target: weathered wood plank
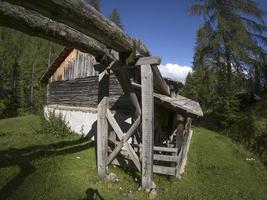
x=159 y=82
x=147 y=126
x=165 y=149
x=184 y=155
x=164 y=170
x=179 y=103
x=84 y=92
x=102 y=124
x=152 y=60
x=125 y=83
x=166 y=158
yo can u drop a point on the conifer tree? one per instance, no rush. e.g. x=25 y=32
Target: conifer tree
x=115 y=17
x=95 y=4
x=16 y=92
x=230 y=41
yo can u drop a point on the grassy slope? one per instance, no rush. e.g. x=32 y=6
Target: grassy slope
x=259 y=114
x=34 y=166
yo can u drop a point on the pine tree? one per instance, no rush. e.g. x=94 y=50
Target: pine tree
x=230 y=41
x=233 y=31
x=95 y=4
x=115 y=17
x=16 y=95
x=19 y=82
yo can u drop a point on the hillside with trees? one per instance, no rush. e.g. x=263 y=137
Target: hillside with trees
x=23 y=60
x=230 y=66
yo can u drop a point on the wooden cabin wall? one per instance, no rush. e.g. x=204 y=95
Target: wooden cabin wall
x=84 y=92
x=76 y=65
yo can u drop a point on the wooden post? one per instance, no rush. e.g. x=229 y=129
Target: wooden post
x=147 y=126
x=179 y=142
x=102 y=124
x=180 y=131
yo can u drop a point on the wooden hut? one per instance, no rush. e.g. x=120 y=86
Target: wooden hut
x=73 y=91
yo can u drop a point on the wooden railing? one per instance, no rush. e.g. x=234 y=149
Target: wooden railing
x=166 y=160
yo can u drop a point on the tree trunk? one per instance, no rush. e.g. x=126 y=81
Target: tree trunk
x=256 y=79
x=34 y=24
x=31 y=98
x=81 y=16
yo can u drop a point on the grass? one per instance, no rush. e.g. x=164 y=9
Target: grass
x=44 y=166
x=259 y=141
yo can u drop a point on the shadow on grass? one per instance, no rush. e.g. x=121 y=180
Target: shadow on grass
x=93 y=194
x=23 y=158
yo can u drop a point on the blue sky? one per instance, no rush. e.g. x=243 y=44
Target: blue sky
x=164 y=26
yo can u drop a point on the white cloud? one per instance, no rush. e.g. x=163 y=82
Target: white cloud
x=175 y=71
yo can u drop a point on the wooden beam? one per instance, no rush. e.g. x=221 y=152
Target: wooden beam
x=159 y=83
x=125 y=83
x=34 y=24
x=164 y=170
x=152 y=60
x=147 y=126
x=85 y=20
x=165 y=149
x=166 y=158
x=102 y=124
x=180 y=104
x=81 y=16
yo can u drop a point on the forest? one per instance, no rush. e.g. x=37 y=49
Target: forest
x=230 y=71
x=23 y=61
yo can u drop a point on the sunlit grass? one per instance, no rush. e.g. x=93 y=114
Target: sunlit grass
x=40 y=166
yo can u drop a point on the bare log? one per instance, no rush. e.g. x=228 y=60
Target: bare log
x=34 y=24
x=78 y=15
x=84 y=18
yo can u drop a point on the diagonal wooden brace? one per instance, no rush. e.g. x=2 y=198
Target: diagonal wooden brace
x=121 y=135
x=124 y=139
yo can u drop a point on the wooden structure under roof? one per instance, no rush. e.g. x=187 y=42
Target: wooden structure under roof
x=76 y=24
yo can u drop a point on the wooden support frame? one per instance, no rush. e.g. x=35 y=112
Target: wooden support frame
x=33 y=23
x=145 y=162
x=102 y=124
x=123 y=140
x=105 y=116
x=147 y=126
